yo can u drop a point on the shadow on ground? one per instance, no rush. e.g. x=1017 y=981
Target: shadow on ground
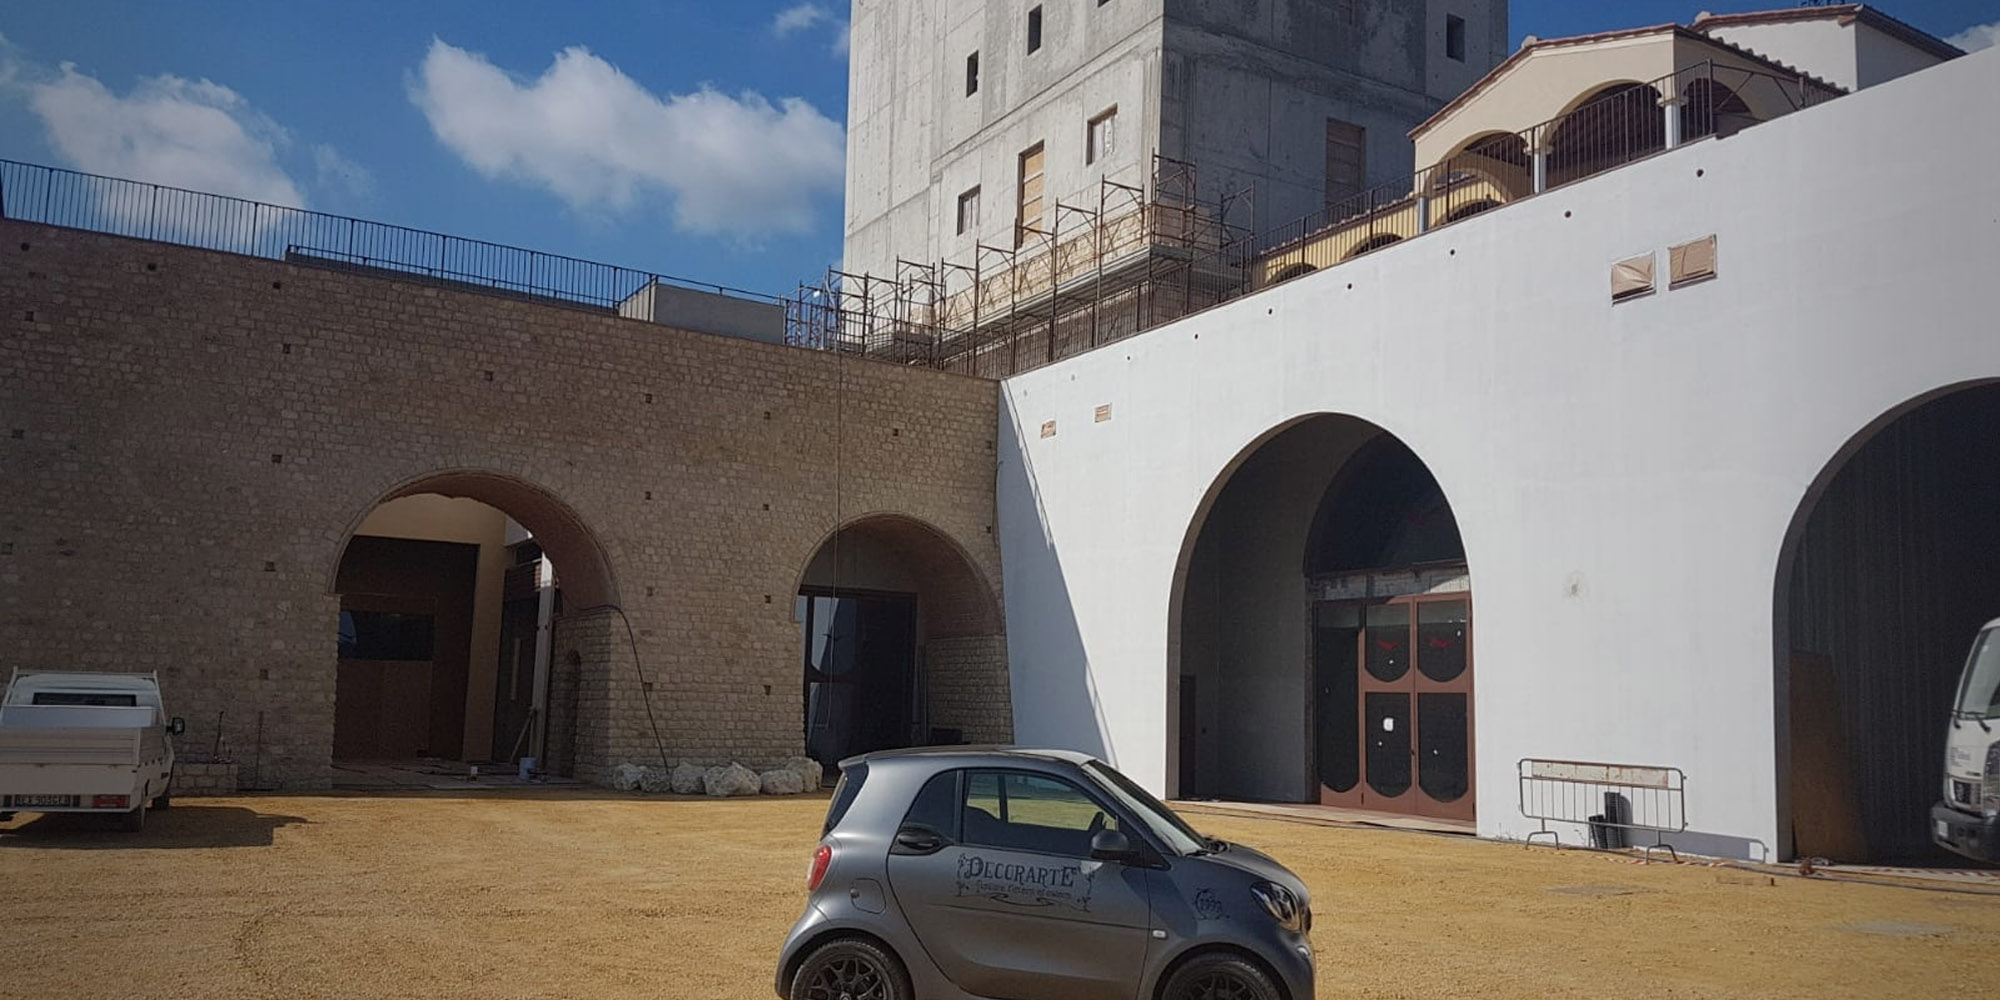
x=179 y=827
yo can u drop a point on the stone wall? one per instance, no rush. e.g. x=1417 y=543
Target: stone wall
x=199 y=778
x=190 y=437
x=968 y=687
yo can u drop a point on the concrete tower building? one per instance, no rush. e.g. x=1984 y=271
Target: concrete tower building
x=969 y=120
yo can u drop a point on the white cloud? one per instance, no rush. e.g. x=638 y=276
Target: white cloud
x=804 y=16
x=592 y=135
x=167 y=130
x=1977 y=37
x=799 y=17
x=335 y=172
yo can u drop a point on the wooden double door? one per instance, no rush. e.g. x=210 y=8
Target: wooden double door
x=1392 y=708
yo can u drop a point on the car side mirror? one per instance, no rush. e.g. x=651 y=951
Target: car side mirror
x=1112 y=845
x=177 y=725
x=917 y=839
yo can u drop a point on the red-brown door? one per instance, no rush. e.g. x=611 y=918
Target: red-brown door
x=1393 y=705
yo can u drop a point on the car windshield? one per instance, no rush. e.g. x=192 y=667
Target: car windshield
x=1979 y=692
x=1169 y=828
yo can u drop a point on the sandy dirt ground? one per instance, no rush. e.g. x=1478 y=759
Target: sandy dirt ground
x=553 y=894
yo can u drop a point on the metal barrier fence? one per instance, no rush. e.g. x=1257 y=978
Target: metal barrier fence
x=54 y=196
x=1610 y=799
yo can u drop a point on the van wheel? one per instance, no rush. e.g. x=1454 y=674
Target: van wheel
x=850 y=969
x=1219 y=977
x=162 y=801
x=134 y=821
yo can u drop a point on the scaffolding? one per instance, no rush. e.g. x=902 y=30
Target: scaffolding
x=1140 y=257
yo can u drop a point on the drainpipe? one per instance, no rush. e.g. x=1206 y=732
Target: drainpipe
x=1541 y=159
x=1670 y=106
x=545 y=590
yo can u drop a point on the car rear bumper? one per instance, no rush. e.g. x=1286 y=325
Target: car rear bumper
x=1965 y=833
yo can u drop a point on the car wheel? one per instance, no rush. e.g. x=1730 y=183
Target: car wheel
x=162 y=801
x=850 y=969
x=1219 y=977
x=134 y=821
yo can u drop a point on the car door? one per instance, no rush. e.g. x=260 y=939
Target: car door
x=996 y=880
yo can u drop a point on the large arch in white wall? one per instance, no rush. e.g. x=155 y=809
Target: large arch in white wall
x=1889 y=566
x=1323 y=540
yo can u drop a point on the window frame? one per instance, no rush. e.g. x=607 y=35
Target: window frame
x=1040 y=152
x=1360 y=147
x=970 y=196
x=1091 y=147
x=1133 y=831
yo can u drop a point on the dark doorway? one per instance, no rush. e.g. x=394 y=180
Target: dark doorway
x=860 y=678
x=1893 y=566
x=1392 y=637
x=404 y=630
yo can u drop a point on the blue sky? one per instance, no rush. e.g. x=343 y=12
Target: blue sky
x=701 y=139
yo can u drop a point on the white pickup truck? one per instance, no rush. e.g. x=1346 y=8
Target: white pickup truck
x=85 y=742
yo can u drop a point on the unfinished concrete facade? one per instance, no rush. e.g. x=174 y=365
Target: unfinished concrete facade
x=967 y=122
x=192 y=438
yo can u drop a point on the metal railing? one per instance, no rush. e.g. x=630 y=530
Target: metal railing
x=57 y=197
x=1610 y=799
x=1617 y=125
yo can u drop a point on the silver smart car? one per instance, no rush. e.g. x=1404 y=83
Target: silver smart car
x=952 y=873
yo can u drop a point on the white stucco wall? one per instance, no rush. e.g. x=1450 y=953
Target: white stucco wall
x=1623 y=476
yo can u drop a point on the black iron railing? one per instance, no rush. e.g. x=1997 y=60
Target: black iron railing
x=57 y=197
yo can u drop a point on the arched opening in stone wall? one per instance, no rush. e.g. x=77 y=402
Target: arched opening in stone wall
x=1321 y=630
x=1891 y=566
x=902 y=643
x=450 y=601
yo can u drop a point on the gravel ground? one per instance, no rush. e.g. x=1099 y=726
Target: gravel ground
x=574 y=894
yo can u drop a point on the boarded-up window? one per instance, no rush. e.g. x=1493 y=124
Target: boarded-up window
x=1102 y=139
x=1028 y=218
x=1346 y=160
x=1632 y=277
x=1691 y=262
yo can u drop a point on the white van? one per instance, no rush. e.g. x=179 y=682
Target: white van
x=85 y=742
x=1968 y=820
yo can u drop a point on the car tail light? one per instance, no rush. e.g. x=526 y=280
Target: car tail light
x=817 y=873
x=107 y=802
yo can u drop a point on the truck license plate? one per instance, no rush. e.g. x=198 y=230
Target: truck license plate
x=31 y=801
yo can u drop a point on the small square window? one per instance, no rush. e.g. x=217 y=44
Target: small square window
x=1454 y=37
x=1102 y=140
x=968 y=211
x=972 y=74
x=1034 y=28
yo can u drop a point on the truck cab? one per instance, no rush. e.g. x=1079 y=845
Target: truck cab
x=85 y=742
x=1967 y=821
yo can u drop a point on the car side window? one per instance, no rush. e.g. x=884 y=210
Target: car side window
x=936 y=806
x=1018 y=811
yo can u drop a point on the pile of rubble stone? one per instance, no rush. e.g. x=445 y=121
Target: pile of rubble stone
x=792 y=776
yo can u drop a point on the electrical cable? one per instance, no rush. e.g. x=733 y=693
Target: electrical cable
x=645 y=695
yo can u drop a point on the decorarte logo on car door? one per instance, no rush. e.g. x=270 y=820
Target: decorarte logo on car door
x=1022 y=884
